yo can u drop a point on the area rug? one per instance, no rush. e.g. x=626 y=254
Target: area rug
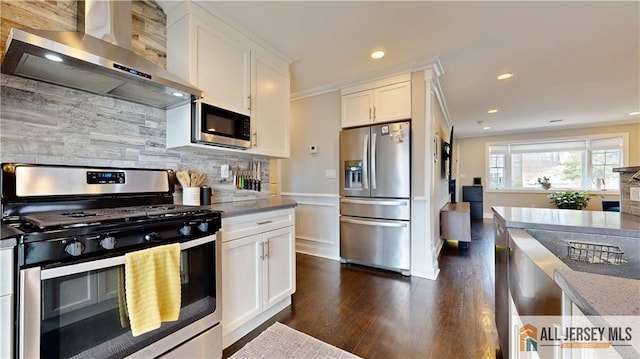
x=280 y=341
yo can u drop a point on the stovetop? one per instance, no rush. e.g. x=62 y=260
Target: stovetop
x=90 y=217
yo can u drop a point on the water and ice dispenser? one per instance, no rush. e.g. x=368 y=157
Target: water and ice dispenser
x=353 y=174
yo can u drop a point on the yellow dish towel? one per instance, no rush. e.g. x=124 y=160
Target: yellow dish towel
x=152 y=282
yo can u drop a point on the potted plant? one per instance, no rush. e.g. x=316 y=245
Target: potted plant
x=570 y=199
x=544 y=182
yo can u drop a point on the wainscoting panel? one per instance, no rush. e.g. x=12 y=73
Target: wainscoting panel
x=317 y=224
x=425 y=245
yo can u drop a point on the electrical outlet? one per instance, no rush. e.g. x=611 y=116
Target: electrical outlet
x=224 y=171
x=634 y=194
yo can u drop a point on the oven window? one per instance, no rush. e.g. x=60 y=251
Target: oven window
x=84 y=314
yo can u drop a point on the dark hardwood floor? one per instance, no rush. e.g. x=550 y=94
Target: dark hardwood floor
x=380 y=314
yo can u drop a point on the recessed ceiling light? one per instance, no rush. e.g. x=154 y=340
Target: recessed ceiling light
x=493 y=110
x=177 y=94
x=377 y=54
x=636 y=113
x=486 y=128
x=53 y=57
x=504 y=76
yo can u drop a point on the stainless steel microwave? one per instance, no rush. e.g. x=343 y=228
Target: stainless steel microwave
x=217 y=126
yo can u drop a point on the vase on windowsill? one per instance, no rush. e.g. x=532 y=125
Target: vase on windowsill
x=544 y=182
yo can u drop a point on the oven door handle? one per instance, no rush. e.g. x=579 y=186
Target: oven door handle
x=109 y=262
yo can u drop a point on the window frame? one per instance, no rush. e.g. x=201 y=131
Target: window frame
x=586 y=154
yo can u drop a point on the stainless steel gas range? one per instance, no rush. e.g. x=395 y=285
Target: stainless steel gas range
x=74 y=226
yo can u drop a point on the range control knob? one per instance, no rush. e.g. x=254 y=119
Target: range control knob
x=108 y=242
x=203 y=227
x=74 y=248
x=153 y=236
x=186 y=229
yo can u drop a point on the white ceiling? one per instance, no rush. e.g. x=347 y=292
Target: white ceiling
x=575 y=61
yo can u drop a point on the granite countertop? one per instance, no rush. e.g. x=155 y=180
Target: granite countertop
x=627 y=169
x=602 y=297
x=570 y=220
x=230 y=209
x=579 y=286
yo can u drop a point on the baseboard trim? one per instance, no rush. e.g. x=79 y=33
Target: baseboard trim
x=252 y=324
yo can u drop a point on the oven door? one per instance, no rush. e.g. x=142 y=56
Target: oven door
x=78 y=310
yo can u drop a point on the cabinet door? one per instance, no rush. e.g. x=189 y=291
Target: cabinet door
x=357 y=108
x=392 y=102
x=6 y=326
x=269 y=106
x=279 y=274
x=222 y=71
x=241 y=281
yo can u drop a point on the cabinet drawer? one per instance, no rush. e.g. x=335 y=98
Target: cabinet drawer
x=246 y=225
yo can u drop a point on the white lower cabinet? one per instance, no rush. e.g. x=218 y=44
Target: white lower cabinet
x=258 y=270
x=6 y=303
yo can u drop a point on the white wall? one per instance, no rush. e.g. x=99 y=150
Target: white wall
x=314 y=121
x=429 y=187
x=472 y=152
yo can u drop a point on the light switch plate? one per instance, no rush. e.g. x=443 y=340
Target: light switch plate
x=634 y=194
x=330 y=173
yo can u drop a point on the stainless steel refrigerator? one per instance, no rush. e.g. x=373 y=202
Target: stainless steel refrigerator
x=375 y=188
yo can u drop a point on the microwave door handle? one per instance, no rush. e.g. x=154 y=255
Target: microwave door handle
x=197 y=119
x=365 y=162
x=374 y=141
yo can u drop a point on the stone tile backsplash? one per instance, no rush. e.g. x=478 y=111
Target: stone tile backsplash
x=47 y=124
x=626 y=182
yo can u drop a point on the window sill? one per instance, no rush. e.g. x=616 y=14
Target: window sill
x=551 y=190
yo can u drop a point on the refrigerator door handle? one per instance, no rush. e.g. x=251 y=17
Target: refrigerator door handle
x=375 y=203
x=374 y=140
x=365 y=164
x=374 y=223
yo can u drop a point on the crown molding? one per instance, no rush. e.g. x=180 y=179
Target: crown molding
x=421 y=65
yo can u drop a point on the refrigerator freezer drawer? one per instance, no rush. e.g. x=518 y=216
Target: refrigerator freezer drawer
x=399 y=209
x=379 y=242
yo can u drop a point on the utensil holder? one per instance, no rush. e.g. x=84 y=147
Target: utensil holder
x=191 y=196
x=205 y=195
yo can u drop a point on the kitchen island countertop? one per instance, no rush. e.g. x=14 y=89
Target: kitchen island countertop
x=230 y=209
x=570 y=220
x=612 y=300
x=579 y=286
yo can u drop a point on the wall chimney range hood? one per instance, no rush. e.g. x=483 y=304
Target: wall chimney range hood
x=98 y=60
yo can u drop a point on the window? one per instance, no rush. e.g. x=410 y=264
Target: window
x=569 y=164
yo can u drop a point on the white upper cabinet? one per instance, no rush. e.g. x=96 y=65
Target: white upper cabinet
x=234 y=72
x=223 y=70
x=380 y=101
x=269 y=106
x=357 y=108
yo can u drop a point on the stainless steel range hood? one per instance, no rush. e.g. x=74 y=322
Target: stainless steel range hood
x=85 y=61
